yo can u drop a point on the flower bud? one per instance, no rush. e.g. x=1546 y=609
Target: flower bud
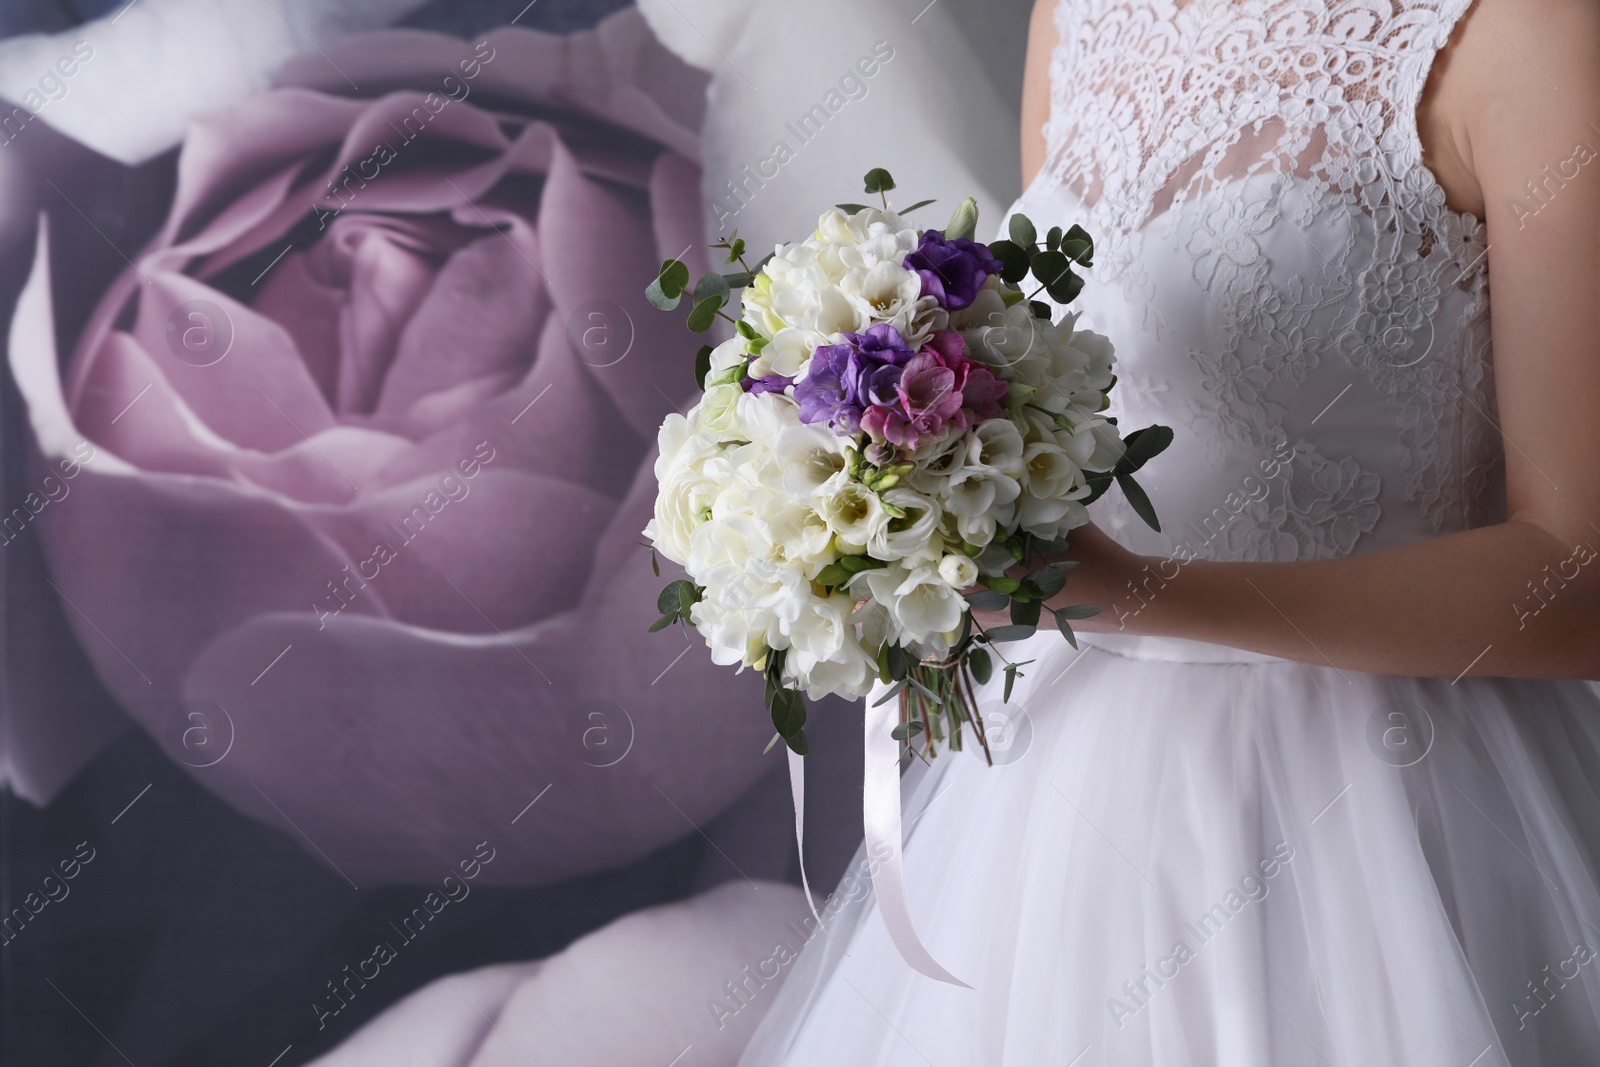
x=958 y=571
x=964 y=223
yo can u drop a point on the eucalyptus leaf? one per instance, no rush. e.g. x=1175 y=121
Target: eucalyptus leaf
x=981 y=665
x=1139 y=501
x=1065 y=289
x=877 y=180
x=1022 y=231
x=897 y=662
x=673 y=276
x=1014 y=260
x=662 y=623
x=1025 y=613
x=1065 y=626
x=1078 y=611
x=851 y=208
x=1049 y=580
x=904 y=730
x=913 y=207
x=704 y=314
x=788 y=712
x=893 y=692
x=1052 y=240
x=711 y=284
x=1049 y=267
x=1011 y=633
x=1013 y=671
x=702 y=367
x=1141 y=446
x=798 y=744
x=657 y=296
x=987 y=600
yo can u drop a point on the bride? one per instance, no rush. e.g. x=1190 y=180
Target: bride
x=1309 y=794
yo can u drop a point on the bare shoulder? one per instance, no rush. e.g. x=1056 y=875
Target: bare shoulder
x=1515 y=87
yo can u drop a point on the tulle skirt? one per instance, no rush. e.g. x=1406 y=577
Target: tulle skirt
x=1187 y=855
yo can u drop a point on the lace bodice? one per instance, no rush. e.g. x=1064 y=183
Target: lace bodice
x=1284 y=283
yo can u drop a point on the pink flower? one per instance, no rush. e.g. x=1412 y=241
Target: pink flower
x=938 y=387
x=368 y=468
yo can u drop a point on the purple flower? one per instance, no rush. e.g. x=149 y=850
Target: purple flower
x=844 y=379
x=939 y=387
x=952 y=271
x=772 y=383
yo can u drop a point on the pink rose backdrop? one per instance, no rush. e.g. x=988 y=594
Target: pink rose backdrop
x=331 y=434
x=374 y=412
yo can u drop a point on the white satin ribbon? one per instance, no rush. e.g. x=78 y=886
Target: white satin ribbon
x=797 y=790
x=880 y=810
x=881 y=822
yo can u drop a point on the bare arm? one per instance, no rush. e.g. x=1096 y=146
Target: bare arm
x=1518 y=599
x=1042 y=39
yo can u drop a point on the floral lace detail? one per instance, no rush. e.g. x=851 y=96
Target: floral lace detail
x=1272 y=147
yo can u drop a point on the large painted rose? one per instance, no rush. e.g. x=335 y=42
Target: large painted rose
x=370 y=424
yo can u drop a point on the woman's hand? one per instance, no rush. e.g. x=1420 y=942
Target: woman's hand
x=1107 y=575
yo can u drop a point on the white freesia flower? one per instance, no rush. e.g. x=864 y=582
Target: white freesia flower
x=958 y=571
x=726 y=356
x=885 y=292
x=851 y=510
x=981 y=499
x=922 y=605
x=809 y=457
x=1050 y=517
x=787 y=353
x=1047 y=471
x=913 y=538
x=822 y=628
x=848 y=673
x=996 y=445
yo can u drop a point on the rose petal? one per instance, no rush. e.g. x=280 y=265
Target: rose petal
x=667 y=961
x=481 y=317
x=453 y=729
x=603 y=242
x=258 y=395
x=445 y=573
x=555 y=422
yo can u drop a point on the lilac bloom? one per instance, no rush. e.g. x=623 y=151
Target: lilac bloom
x=952 y=271
x=843 y=380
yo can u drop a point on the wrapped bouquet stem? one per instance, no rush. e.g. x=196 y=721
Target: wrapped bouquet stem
x=898 y=431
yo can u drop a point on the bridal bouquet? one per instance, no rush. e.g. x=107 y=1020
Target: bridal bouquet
x=894 y=426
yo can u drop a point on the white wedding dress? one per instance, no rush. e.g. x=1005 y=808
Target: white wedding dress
x=1188 y=855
